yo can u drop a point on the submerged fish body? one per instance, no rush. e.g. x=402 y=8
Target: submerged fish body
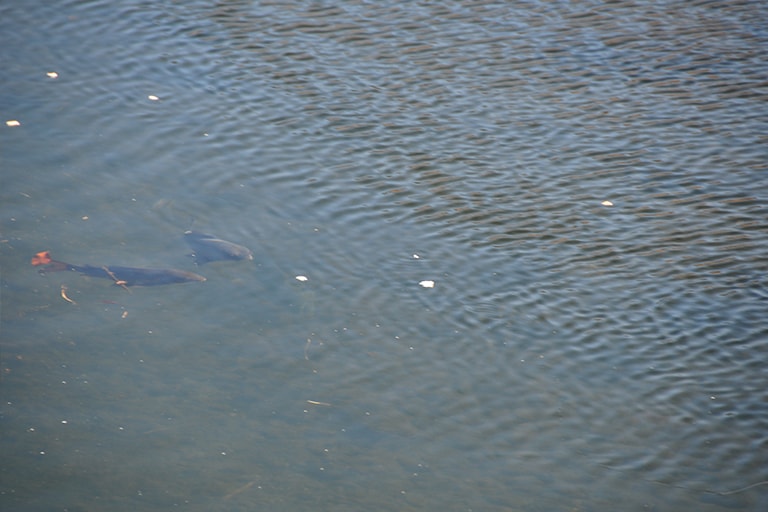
x=130 y=276
x=207 y=248
x=124 y=276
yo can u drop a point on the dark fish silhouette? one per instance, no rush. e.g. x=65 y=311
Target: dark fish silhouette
x=123 y=276
x=207 y=248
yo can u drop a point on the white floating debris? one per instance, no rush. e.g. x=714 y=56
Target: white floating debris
x=52 y=74
x=12 y=122
x=416 y=256
x=153 y=97
x=302 y=278
x=427 y=284
x=606 y=203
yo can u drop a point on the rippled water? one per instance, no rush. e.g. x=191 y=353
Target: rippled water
x=585 y=183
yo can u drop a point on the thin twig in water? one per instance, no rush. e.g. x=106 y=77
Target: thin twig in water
x=117 y=281
x=736 y=491
x=240 y=489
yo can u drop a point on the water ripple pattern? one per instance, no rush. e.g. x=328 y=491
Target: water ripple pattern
x=584 y=182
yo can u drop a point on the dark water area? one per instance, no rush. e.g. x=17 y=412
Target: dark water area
x=506 y=256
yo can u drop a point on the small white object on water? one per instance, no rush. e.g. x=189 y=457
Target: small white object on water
x=606 y=203
x=302 y=278
x=52 y=74
x=427 y=284
x=416 y=256
x=12 y=123
x=153 y=97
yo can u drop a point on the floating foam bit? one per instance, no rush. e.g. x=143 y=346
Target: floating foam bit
x=12 y=122
x=606 y=203
x=302 y=278
x=153 y=97
x=52 y=74
x=416 y=256
x=427 y=284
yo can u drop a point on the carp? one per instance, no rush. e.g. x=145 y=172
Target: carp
x=122 y=276
x=207 y=248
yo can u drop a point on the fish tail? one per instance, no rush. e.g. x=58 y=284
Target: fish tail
x=44 y=258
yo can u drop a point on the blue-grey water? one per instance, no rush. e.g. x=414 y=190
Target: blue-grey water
x=585 y=183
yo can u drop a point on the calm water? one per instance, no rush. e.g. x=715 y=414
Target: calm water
x=573 y=353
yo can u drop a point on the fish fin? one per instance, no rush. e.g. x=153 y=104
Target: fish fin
x=198 y=234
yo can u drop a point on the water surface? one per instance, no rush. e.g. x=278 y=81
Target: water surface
x=585 y=183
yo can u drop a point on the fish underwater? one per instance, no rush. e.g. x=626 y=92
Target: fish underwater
x=208 y=248
x=122 y=276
